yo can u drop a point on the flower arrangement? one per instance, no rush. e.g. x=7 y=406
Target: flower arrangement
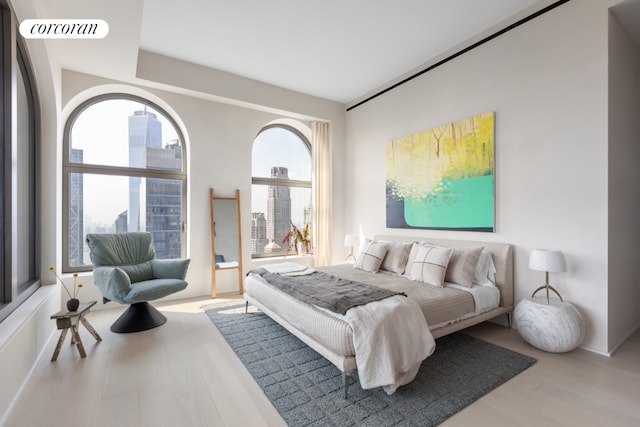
x=76 y=287
x=296 y=236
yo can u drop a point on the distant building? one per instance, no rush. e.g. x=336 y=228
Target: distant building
x=308 y=215
x=278 y=207
x=161 y=212
x=121 y=223
x=258 y=233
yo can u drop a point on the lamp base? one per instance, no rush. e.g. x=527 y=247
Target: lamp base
x=351 y=255
x=548 y=288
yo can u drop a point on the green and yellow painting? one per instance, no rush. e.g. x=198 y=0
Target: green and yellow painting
x=443 y=178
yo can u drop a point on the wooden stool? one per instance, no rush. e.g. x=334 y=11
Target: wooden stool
x=66 y=320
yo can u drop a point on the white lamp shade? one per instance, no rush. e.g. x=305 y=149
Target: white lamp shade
x=351 y=240
x=547 y=260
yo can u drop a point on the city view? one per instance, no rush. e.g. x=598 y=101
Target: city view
x=269 y=228
x=279 y=154
x=106 y=203
x=145 y=139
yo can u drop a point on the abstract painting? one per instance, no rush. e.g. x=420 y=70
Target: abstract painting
x=443 y=178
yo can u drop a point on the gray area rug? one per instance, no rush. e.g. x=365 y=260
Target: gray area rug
x=306 y=389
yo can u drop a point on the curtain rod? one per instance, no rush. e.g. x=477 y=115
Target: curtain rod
x=465 y=50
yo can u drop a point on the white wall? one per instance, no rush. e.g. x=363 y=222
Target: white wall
x=547 y=83
x=624 y=183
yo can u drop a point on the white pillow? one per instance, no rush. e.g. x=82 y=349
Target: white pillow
x=396 y=258
x=485 y=272
x=430 y=265
x=462 y=266
x=371 y=256
x=412 y=256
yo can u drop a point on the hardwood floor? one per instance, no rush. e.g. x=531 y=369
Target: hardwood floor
x=184 y=374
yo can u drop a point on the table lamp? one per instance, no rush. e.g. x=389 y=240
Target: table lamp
x=351 y=240
x=547 y=261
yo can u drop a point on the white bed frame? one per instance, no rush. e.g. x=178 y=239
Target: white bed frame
x=502 y=254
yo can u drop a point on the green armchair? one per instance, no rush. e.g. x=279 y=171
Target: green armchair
x=126 y=271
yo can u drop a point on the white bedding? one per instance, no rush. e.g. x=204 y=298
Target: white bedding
x=288 y=268
x=485 y=298
x=391 y=338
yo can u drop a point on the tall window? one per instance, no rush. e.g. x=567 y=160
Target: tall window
x=18 y=179
x=124 y=170
x=281 y=188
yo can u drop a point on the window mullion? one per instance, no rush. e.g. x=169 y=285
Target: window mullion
x=123 y=171
x=281 y=182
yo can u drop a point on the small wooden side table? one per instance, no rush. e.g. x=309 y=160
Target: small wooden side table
x=66 y=320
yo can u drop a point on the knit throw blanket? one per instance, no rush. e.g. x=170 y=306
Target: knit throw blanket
x=325 y=290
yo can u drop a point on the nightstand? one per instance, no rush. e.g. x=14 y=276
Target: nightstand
x=556 y=327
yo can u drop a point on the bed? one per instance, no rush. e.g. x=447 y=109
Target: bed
x=442 y=309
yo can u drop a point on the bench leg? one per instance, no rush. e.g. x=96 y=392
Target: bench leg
x=78 y=341
x=90 y=328
x=63 y=334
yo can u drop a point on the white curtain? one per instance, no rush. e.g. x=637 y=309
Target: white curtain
x=321 y=149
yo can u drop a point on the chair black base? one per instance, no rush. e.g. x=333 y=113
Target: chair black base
x=138 y=317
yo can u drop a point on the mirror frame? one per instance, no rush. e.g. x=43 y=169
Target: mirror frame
x=214 y=269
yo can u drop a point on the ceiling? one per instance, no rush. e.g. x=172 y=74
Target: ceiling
x=334 y=49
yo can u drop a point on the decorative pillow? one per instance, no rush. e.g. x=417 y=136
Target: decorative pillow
x=371 y=256
x=412 y=256
x=396 y=258
x=430 y=264
x=462 y=266
x=485 y=269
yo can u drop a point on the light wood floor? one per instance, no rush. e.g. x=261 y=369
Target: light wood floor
x=184 y=374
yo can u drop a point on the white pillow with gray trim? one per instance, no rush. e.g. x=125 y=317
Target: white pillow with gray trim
x=371 y=256
x=430 y=265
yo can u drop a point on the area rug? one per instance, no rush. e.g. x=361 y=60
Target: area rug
x=306 y=389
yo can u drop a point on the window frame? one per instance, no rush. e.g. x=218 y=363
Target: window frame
x=294 y=183
x=14 y=60
x=69 y=168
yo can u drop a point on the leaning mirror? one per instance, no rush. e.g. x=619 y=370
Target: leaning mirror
x=226 y=238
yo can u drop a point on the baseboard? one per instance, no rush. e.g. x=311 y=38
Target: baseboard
x=623 y=340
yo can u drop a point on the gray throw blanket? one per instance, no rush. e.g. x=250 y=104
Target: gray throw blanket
x=325 y=290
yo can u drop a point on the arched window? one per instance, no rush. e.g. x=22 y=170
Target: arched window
x=123 y=170
x=281 y=188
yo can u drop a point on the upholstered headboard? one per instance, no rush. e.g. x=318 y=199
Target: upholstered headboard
x=502 y=254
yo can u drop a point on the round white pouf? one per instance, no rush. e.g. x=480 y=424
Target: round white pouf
x=556 y=327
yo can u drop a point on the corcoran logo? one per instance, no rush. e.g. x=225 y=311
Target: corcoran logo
x=64 y=29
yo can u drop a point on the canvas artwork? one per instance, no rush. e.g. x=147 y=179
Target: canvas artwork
x=443 y=178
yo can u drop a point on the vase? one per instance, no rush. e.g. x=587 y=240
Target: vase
x=73 y=304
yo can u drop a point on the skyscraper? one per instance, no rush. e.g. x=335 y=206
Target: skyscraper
x=258 y=233
x=278 y=207
x=160 y=214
